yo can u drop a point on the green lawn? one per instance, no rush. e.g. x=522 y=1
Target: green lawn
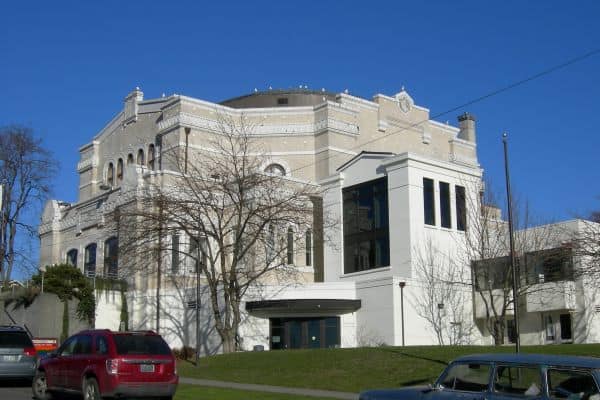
x=190 y=392
x=349 y=370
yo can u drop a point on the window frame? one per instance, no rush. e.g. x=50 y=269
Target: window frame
x=541 y=376
x=445 y=205
x=429 y=214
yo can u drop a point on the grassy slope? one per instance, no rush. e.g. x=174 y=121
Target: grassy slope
x=189 y=392
x=350 y=370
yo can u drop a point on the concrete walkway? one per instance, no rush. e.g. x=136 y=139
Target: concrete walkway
x=272 y=389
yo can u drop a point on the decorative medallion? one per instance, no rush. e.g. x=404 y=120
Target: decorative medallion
x=405 y=102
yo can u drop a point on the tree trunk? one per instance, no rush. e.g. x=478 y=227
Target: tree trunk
x=65 y=321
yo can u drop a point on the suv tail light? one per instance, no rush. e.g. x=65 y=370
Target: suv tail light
x=29 y=351
x=112 y=366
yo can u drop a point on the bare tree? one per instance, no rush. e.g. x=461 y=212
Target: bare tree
x=585 y=243
x=444 y=302
x=242 y=224
x=26 y=170
x=485 y=248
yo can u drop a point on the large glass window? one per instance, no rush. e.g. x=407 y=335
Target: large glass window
x=89 y=266
x=72 y=257
x=493 y=273
x=445 y=211
x=548 y=265
x=366 y=227
x=429 y=201
x=461 y=208
x=111 y=257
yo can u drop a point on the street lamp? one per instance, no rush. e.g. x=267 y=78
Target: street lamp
x=402 y=284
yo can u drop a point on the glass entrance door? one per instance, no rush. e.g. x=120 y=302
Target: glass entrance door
x=305 y=333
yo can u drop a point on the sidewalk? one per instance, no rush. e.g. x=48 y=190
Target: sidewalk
x=272 y=389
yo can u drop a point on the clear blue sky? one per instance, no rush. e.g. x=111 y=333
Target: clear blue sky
x=66 y=67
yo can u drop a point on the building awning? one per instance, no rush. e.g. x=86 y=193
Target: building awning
x=302 y=307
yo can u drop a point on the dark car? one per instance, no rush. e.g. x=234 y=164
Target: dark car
x=17 y=354
x=504 y=377
x=102 y=363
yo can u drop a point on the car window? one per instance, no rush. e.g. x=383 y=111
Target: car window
x=518 y=380
x=83 y=345
x=101 y=345
x=15 y=340
x=68 y=347
x=572 y=385
x=141 y=344
x=470 y=377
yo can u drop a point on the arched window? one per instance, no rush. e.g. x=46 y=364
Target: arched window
x=308 y=247
x=129 y=159
x=110 y=174
x=151 y=157
x=120 y=170
x=140 y=157
x=111 y=257
x=290 y=246
x=72 y=257
x=89 y=262
x=275 y=169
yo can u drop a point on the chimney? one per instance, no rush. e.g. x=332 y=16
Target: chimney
x=466 y=123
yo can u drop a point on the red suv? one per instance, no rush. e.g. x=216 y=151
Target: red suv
x=102 y=363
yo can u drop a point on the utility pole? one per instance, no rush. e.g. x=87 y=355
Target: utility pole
x=513 y=264
x=199 y=258
x=402 y=284
x=159 y=264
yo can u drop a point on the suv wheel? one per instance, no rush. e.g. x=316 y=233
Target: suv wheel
x=39 y=387
x=91 y=391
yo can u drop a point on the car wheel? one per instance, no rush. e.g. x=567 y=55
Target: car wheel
x=91 y=391
x=39 y=387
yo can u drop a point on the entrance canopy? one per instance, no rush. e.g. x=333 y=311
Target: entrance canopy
x=302 y=307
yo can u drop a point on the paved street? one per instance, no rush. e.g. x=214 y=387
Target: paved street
x=15 y=391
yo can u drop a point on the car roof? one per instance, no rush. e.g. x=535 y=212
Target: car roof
x=542 y=359
x=11 y=328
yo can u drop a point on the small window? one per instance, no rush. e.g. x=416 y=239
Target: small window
x=175 y=254
x=110 y=174
x=282 y=101
x=290 y=246
x=572 y=385
x=518 y=381
x=472 y=377
x=140 y=157
x=308 y=245
x=429 y=201
x=461 y=208
x=120 y=170
x=72 y=257
x=151 y=157
x=101 y=345
x=445 y=212
x=89 y=262
x=549 y=327
x=129 y=159
x=275 y=169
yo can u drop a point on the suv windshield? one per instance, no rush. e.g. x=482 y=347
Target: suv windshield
x=15 y=340
x=141 y=344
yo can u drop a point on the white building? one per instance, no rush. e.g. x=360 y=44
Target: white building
x=399 y=183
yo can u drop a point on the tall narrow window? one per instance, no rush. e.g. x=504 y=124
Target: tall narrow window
x=290 y=246
x=175 y=254
x=198 y=253
x=129 y=159
x=110 y=174
x=461 y=208
x=89 y=266
x=549 y=327
x=270 y=245
x=151 y=157
x=445 y=212
x=429 y=201
x=111 y=258
x=72 y=257
x=566 y=332
x=308 y=245
x=120 y=170
x=140 y=157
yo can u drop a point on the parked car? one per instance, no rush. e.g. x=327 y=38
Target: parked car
x=17 y=354
x=102 y=363
x=506 y=376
